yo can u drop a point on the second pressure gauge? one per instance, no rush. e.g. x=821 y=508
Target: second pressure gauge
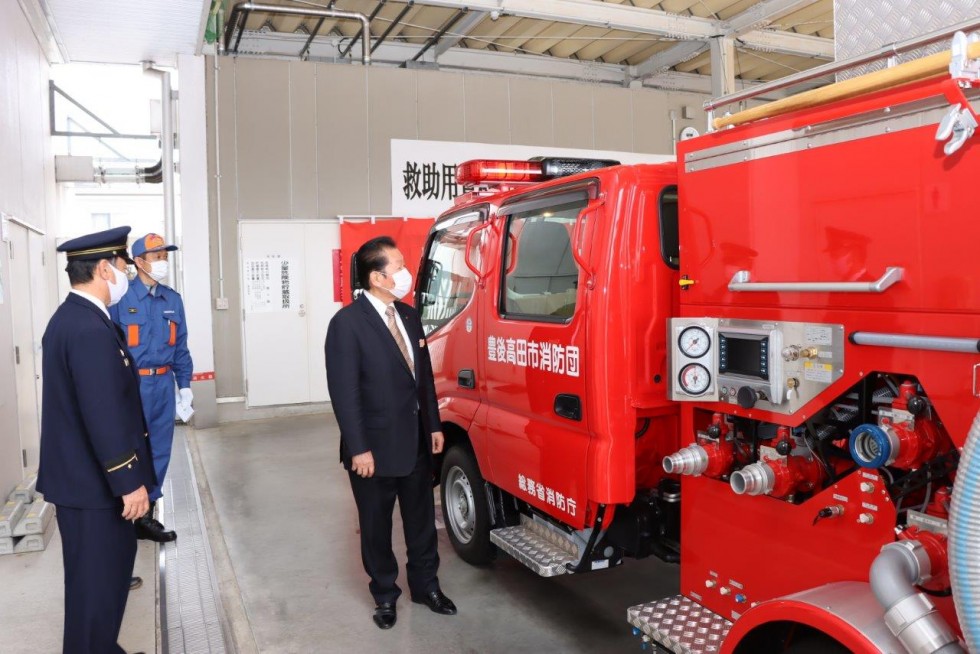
x=695 y=379
x=694 y=342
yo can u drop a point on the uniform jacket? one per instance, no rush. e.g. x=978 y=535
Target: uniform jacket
x=93 y=439
x=376 y=399
x=155 y=329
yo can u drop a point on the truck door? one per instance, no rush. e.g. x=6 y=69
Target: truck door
x=538 y=417
x=450 y=313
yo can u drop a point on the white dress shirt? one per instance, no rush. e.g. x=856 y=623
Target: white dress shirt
x=382 y=308
x=94 y=300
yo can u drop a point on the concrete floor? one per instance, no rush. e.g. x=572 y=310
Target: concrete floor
x=280 y=508
x=32 y=596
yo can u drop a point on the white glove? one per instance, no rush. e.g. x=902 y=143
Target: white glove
x=186 y=396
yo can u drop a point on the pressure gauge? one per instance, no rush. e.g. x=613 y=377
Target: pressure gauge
x=695 y=379
x=694 y=342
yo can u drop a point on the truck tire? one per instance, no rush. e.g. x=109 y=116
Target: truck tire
x=464 y=506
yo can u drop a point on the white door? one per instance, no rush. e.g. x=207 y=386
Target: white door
x=287 y=295
x=26 y=346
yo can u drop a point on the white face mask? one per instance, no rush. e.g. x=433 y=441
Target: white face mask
x=158 y=270
x=117 y=287
x=403 y=283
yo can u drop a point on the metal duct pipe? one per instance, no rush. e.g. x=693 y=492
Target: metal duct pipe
x=150 y=175
x=910 y=615
x=217 y=180
x=166 y=157
x=242 y=9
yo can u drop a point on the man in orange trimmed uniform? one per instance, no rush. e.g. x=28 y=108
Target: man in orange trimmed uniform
x=151 y=316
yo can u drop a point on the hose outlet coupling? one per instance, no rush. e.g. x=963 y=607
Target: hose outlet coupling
x=692 y=460
x=754 y=479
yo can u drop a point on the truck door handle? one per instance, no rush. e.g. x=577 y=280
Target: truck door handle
x=568 y=406
x=466 y=379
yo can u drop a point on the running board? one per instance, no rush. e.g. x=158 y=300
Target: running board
x=540 y=548
x=679 y=625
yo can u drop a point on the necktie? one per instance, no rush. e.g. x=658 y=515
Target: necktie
x=397 y=335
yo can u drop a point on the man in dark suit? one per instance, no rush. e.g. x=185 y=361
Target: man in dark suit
x=382 y=390
x=95 y=461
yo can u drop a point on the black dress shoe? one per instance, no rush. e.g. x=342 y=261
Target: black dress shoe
x=437 y=603
x=385 y=615
x=135 y=582
x=149 y=529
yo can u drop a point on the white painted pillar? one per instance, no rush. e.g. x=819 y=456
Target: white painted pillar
x=194 y=234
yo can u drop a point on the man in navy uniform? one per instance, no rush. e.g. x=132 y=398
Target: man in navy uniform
x=95 y=457
x=151 y=316
x=384 y=397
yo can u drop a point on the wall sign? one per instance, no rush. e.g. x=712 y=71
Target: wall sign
x=423 y=173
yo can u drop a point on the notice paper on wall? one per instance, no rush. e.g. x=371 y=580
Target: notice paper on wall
x=271 y=284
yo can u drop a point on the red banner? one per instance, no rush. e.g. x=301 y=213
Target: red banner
x=408 y=234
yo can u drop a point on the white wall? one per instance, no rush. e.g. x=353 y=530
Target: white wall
x=26 y=192
x=300 y=140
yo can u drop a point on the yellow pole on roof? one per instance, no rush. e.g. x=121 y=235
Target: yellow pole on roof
x=912 y=71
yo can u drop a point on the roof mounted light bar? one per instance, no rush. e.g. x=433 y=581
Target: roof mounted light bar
x=494 y=171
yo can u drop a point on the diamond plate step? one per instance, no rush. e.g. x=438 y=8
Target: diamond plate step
x=679 y=625
x=539 y=548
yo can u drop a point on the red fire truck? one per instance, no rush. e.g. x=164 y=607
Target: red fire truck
x=781 y=329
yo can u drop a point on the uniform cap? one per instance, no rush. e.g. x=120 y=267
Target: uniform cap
x=108 y=244
x=151 y=243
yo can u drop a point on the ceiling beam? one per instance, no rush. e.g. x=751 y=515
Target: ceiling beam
x=763 y=14
x=461 y=31
x=599 y=14
x=325 y=50
x=667 y=59
x=644 y=21
x=791 y=43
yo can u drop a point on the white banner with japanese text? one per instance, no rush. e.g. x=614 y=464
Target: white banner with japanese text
x=423 y=173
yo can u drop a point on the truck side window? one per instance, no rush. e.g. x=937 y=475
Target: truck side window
x=447 y=282
x=541 y=275
x=669 y=244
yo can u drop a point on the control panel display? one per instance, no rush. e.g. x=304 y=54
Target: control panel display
x=774 y=366
x=743 y=354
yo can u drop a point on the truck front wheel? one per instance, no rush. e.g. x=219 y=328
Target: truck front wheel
x=464 y=506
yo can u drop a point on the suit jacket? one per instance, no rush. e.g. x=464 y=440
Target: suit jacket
x=94 y=447
x=379 y=405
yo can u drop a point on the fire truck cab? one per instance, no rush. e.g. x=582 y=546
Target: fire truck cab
x=544 y=294
x=794 y=346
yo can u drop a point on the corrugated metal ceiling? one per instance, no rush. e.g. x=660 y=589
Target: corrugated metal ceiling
x=772 y=38
x=567 y=40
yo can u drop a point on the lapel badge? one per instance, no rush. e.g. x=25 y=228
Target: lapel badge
x=421 y=342
x=124 y=358
x=132 y=309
